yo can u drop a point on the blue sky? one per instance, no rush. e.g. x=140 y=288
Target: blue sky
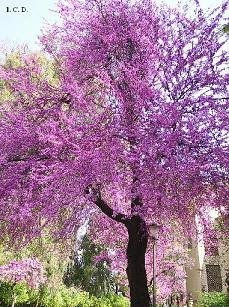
x=19 y=28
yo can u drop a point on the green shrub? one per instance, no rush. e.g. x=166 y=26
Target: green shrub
x=56 y=297
x=24 y=294
x=214 y=299
x=117 y=300
x=70 y=297
x=5 y=293
x=59 y=297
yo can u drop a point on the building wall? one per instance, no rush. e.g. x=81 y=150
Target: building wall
x=197 y=280
x=222 y=260
x=193 y=280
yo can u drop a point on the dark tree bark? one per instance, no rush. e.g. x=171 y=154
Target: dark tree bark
x=136 y=250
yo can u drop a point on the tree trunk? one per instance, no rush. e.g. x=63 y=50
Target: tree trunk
x=14 y=300
x=138 y=237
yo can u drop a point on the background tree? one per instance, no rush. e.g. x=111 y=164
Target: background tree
x=226 y=29
x=135 y=132
x=89 y=273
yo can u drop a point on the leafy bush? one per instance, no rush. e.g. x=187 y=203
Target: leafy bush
x=214 y=299
x=56 y=297
x=23 y=293
x=111 y=300
x=70 y=297
x=63 y=297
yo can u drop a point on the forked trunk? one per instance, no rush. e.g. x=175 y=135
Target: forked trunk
x=138 y=237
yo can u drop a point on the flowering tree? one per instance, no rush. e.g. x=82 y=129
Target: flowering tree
x=28 y=270
x=133 y=132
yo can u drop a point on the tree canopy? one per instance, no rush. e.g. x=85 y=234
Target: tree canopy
x=135 y=130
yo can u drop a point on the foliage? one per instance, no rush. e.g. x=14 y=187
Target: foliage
x=27 y=270
x=57 y=297
x=21 y=291
x=134 y=131
x=67 y=297
x=214 y=299
x=88 y=274
x=15 y=275
x=44 y=69
x=226 y=28
x=52 y=293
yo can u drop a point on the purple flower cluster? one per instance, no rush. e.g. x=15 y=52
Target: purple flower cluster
x=134 y=131
x=28 y=270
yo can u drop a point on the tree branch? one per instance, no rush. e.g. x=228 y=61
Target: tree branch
x=104 y=207
x=26 y=158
